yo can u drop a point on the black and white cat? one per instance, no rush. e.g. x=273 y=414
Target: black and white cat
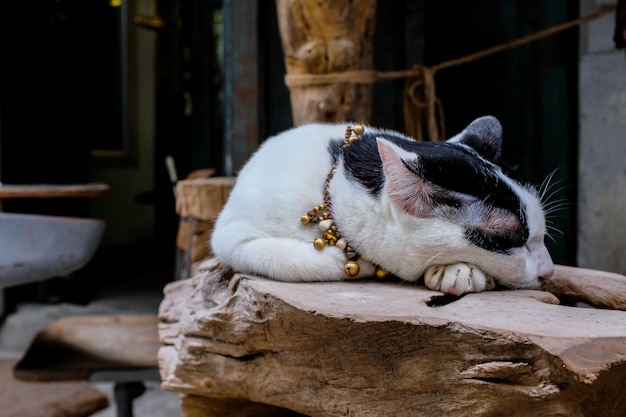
x=444 y=211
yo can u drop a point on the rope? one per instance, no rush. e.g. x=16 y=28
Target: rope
x=353 y=77
x=420 y=101
x=526 y=39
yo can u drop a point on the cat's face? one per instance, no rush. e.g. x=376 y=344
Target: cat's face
x=493 y=221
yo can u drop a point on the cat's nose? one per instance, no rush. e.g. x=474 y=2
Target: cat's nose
x=546 y=275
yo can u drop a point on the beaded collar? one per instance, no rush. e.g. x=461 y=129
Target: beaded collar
x=322 y=216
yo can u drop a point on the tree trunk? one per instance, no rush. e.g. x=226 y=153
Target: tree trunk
x=327 y=37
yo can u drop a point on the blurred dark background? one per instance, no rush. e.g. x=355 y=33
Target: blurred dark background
x=104 y=90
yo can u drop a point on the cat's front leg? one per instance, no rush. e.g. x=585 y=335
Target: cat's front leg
x=458 y=279
x=282 y=258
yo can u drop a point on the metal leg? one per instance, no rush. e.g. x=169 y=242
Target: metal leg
x=125 y=393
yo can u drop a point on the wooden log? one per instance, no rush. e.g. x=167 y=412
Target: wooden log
x=73 y=348
x=92 y=190
x=597 y=288
x=202 y=198
x=325 y=37
x=371 y=348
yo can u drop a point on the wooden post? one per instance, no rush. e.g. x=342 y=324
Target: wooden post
x=324 y=37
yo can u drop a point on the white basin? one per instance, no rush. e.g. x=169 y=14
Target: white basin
x=37 y=247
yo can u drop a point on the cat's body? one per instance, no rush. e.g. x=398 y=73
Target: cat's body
x=434 y=209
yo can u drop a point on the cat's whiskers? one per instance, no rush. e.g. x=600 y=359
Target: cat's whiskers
x=547 y=184
x=549 y=189
x=554 y=229
x=522 y=214
x=551 y=210
x=555 y=206
x=428 y=263
x=548 y=204
x=425 y=265
x=550 y=230
x=546 y=192
x=549 y=235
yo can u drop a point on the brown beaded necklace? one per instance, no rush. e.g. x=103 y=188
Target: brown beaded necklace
x=322 y=215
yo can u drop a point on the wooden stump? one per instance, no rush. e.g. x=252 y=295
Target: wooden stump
x=327 y=37
x=370 y=348
x=198 y=203
x=202 y=198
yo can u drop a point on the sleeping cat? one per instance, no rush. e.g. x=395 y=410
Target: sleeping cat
x=327 y=202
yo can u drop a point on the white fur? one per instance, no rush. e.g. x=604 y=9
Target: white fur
x=259 y=230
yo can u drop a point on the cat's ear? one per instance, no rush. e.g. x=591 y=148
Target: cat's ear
x=484 y=135
x=406 y=188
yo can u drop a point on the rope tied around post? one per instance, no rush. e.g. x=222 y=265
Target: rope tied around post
x=423 y=111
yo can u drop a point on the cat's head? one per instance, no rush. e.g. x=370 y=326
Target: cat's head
x=487 y=218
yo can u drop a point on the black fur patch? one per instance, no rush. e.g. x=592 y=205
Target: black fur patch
x=447 y=165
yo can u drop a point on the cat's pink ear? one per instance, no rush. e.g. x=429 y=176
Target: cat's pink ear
x=405 y=188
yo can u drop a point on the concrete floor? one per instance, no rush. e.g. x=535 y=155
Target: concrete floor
x=137 y=290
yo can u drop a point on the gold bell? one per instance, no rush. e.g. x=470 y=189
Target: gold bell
x=319 y=243
x=381 y=273
x=305 y=219
x=358 y=129
x=351 y=269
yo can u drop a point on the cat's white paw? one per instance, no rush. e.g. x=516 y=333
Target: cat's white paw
x=458 y=279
